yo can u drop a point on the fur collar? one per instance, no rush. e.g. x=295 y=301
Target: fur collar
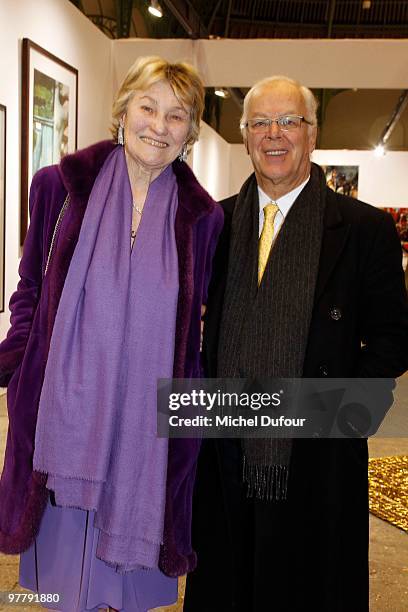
x=79 y=171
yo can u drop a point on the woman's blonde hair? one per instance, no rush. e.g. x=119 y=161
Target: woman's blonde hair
x=182 y=78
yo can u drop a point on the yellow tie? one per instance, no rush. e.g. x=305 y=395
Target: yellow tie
x=266 y=239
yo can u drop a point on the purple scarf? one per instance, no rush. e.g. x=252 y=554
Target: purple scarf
x=113 y=338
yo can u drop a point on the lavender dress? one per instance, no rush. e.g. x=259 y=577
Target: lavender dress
x=62 y=560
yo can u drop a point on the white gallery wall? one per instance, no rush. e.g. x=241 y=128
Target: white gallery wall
x=211 y=162
x=58 y=27
x=61 y=29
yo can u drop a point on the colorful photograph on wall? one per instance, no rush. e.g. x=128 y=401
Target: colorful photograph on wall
x=400 y=216
x=49 y=116
x=342 y=179
x=3 y=124
x=50 y=121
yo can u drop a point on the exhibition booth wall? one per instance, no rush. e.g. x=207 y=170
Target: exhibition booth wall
x=317 y=63
x=65 y=32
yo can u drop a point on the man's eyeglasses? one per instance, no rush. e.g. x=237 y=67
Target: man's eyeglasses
x=285 y=123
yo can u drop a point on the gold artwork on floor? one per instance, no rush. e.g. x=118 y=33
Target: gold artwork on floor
x=388 y=491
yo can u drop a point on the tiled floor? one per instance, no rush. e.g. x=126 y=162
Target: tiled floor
x=388 y=545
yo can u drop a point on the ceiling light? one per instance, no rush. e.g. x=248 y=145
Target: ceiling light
x=379 y=150
x=221 y=92
x=366 y=4
x=155 y=9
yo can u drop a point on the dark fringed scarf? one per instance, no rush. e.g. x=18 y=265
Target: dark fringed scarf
x=264 y=331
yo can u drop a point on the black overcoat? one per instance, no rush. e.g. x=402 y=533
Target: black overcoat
x=310 y=552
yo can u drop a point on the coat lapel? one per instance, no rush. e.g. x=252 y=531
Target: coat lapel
x=335 y=233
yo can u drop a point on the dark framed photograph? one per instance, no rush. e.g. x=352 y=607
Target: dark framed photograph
x=342 y=179
x=49 y=116
x=3 y=133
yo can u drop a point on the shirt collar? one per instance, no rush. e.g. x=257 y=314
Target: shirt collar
x=285 y=202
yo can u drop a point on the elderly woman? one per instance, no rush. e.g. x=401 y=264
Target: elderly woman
x=113 y=276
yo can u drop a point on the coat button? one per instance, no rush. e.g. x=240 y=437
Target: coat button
x=335 y=313
x=323 y=370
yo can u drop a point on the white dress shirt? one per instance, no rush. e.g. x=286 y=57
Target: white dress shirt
x=285 y=203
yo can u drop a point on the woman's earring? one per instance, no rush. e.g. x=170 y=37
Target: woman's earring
x=121 y=135
x=183 y=153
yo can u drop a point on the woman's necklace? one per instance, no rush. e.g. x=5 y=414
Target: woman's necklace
x=134 y=224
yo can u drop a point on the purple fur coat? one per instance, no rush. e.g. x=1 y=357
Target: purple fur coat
x=23 y=354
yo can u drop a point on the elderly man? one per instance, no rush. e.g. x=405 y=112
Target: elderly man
x=308 y=283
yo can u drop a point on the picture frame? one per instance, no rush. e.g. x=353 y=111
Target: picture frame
x=3 y=142
x=49 y=117
x=342 y=179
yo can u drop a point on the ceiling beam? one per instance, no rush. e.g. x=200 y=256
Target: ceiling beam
x=213 y=16
x=309 y=25
x=123 y=17
x=227 y=20
x=187 y=17
x=395 y=117
x=332 y=9
x=108 y=25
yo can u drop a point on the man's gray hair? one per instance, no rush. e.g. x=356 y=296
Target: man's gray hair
x=310 y=101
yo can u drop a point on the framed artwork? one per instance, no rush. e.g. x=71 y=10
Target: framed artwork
x=343 y=179
x=49 y=116
x=3 y=128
